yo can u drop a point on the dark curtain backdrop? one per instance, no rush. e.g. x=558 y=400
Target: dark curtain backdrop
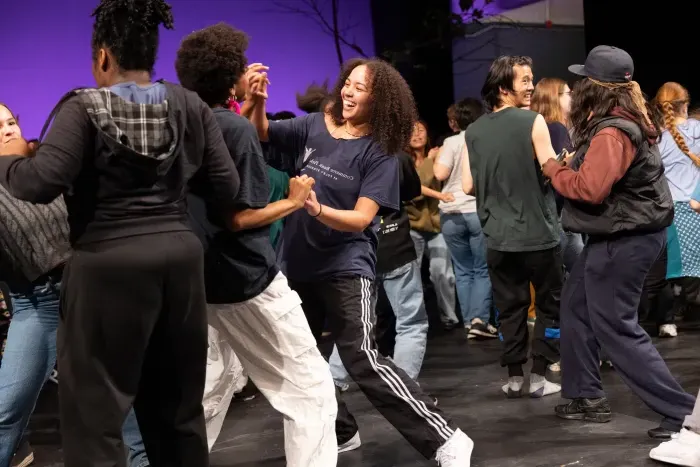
x=430 y=71
x=660 y=40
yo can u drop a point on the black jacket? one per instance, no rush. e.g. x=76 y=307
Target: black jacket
x=640 y=202
x=124 y=168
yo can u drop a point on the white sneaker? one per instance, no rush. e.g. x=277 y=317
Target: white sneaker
x=668 y=330
x=456 y=452
x=683 y=449
x=540 y=387
x=354 y=443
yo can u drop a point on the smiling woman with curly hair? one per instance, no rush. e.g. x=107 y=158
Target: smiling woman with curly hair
x=329 y=252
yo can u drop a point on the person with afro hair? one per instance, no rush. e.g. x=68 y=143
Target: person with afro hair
x=328 y=250
x=249 y=302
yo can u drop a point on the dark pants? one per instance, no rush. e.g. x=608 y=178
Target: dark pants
x=511 y=274
x=599 y=312
x=347 y=304
x=133 y=330
x=656 y=303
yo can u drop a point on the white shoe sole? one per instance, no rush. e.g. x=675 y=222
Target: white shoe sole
x=29 y=460
x=674 y=461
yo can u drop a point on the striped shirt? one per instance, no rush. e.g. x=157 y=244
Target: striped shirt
x=33 y=238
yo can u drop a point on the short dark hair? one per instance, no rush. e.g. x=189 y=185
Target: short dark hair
x=393 y=110
x=129 y=29
x=282 y=115
x=501 y=75
x=466 y=111
x=211 y=61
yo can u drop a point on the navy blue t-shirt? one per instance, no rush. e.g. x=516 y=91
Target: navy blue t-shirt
x=237 y=265
x=344 y=170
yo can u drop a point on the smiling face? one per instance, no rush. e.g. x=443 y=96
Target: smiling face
x=356 y=96
x=419 y=138
x=9 y=129
x=523 y=87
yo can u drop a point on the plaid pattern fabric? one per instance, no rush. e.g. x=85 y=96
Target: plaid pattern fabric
x=144 y=128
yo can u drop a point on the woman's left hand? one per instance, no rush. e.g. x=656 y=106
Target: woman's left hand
x=16 y=147
x=312 y=206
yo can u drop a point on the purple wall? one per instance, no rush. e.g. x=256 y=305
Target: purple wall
x=48 y=47
x=495 y=7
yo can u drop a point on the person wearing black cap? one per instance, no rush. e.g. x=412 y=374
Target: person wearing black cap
x=616 y=193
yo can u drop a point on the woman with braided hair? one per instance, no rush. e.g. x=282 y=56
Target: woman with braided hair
x=615 y=192
x=680 y=153
x=133 y=323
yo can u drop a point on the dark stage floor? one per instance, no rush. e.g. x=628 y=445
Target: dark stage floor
x=467 y=380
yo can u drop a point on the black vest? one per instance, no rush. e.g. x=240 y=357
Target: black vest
x=639 y=202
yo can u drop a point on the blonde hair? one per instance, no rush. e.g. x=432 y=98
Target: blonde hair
x=545 y=100
x=670 y=99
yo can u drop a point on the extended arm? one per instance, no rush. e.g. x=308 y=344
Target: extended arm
x=57 y=161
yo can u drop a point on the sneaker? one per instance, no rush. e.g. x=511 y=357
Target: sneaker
x=350 y=445
x=456 y=452
x=668 y=330
x=24 y=456
x=540 y=387
x=683 y=449
x=588 y=410
x=479 y=329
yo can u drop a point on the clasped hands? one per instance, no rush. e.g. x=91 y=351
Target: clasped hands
x=301 y=193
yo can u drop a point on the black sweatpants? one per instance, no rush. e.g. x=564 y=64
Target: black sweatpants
x=347 y=303
x=133 y=330
x=511 y=274
x=599 y=311
x=656 y=303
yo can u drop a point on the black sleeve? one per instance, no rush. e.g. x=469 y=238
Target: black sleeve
x=244 y=146
x=409 y=179
x=217 y=180
x=58 y=160
x=560 y=137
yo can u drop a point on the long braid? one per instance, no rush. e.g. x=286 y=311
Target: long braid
x=670 y=124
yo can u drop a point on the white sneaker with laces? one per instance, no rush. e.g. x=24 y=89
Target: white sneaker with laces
x=683 y=449
x=668 y=330
x=456 y=452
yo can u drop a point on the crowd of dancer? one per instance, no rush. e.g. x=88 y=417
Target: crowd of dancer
x=143 y=247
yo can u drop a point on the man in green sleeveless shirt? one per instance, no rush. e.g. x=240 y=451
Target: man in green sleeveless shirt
x=518 y=215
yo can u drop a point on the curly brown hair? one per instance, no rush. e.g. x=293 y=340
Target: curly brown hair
x=211 y=61
x=392 y=108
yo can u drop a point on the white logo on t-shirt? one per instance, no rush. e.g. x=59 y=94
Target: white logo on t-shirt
x=308 y=152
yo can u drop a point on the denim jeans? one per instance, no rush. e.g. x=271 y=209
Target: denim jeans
x=404 y=290
x=441 y=273
x=134 y=442
x=467 y=245
x=30 y=356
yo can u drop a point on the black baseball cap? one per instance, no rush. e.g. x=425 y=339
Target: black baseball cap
x=607 y=64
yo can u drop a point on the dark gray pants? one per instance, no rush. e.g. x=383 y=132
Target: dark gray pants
x=599 y=312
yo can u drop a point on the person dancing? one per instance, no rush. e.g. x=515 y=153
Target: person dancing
x=328 y=252
x=617 y=194
x=250 y=303
x=133 y=326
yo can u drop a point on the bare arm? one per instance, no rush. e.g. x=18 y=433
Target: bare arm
x=299 y=188
x=467 y=180
x=441 y=171
x=257 y=107
x=356 y=220
x=541 y=141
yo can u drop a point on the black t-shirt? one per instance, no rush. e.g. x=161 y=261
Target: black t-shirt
x=396 y=247
x=237 y=265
